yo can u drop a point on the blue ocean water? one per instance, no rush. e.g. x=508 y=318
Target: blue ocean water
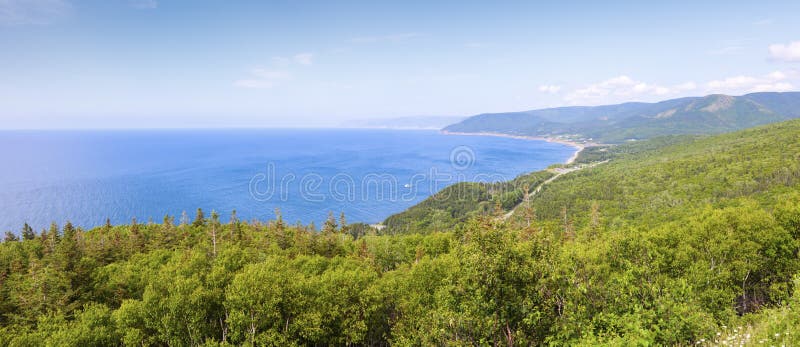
x=88 y=176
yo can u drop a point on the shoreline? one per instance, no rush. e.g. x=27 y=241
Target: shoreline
x=578 y=146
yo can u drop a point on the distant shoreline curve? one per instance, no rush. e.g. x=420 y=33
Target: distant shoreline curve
x=579 y=147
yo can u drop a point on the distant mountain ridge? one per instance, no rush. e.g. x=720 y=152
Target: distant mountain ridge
x=414 y=122
x=709 y=114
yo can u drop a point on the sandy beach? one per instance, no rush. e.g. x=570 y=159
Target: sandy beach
x=578 y=146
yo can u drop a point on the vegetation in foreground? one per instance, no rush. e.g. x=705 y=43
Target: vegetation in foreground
x=672 y=242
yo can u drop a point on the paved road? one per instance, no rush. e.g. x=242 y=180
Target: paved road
x=559 y=172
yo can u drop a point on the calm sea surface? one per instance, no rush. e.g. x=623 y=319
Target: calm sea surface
x=88 y=176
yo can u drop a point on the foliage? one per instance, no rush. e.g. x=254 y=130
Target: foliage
x=461 y=201
x=674 y=241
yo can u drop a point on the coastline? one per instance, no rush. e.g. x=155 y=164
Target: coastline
x=578 y=146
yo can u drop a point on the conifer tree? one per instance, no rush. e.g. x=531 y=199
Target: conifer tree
x=529 y=213
x=343 y=228
x=330 y=225
x=236 y=227
x=168 y=221
x=69 y=231
x=234 y=218
x=167 y=230
x=50 y=238
x=137 y=239
x=134 y=226
x=199 y=218
x=213 y=229
x=10 y=237
x=279 y=223
x=27 y=232
x=66 y=251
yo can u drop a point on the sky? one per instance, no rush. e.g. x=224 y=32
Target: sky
x=296 y=63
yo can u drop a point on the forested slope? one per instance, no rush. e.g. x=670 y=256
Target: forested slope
x=671 y=242
x=652 y=182
x=710 y=114
x=461 y=201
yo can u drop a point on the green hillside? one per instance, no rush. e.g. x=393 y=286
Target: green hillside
x=459 y=202
x=651 y=182
x=673 y=241
x=616 y=123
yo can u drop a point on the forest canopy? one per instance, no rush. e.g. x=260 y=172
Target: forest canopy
x=673 y=241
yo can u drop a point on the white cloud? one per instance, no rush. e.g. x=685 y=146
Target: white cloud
x=623 y=87
x=304 y=58
x=549 y=88
x=686 y=86
x=777 y=75
x=144 y=4
x=764 y=21
x=776 y=81
x=384 y=38
x=281 y=61
x=32 y=12
x=732 y=83
x=772 y=87
x=299 y=58
x=789 y=52
x=263 y=78
x=270 y=77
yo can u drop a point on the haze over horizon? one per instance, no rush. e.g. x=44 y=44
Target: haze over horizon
x=166 y=64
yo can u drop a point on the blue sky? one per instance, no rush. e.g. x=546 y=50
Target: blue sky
x=162 y=63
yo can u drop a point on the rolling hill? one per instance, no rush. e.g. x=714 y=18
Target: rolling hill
x=710 y=114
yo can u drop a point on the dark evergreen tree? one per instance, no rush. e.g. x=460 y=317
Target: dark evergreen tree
x=343 y=228
x=234 y=218
x=69 y=231
x=214 y=229
x=168 y=221
x=137 y=239
x=10 y=237
x=235 y=226
x=66 y=252
x=51 y=238
x=27 y=232
x=199 y=218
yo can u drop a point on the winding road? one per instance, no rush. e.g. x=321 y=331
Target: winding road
x=558 y=173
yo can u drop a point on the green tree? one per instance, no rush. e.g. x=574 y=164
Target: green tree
x=343 y=227
x=10 y=237
x=213 y=230
x=262 y=303
x=330 y=226
x=199 y=218
x=27 y=232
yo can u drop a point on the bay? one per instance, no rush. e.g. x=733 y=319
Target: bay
x=88 y=176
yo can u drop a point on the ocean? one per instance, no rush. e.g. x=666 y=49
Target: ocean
x=89 y=175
